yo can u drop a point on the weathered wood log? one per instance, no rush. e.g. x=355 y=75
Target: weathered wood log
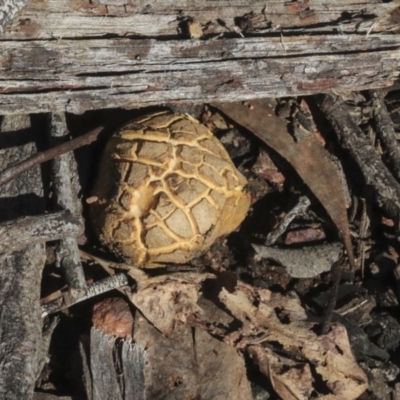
x=20 y=277
x=19 y=233
x=66 y=191
x=9 y=9
x=105 y=379
x=375 y=173
x=288 y=50
x=143 y=18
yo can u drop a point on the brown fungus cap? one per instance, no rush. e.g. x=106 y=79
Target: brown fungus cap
x=166 y=190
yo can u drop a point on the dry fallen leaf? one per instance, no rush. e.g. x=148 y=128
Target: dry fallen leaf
x=307 y=156
x=292 y=380
x=172 y=303
x=167 y=301
x=279 y=319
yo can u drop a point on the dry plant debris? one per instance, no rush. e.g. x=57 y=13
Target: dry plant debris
x=280 y=319
x=166 y=190
x=376 y=174
x=189 y=315
x=173 y=302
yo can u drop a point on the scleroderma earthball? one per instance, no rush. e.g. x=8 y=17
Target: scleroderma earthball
x=166 y=190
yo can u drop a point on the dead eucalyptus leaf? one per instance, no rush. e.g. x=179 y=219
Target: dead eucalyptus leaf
x=307 y=156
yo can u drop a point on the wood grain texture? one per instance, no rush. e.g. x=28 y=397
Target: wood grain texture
x=9 y=9
x=75 y=56
x=150 y=18
x=74 y=76
x=66 y=190
x=21 y=351
x=19 y=233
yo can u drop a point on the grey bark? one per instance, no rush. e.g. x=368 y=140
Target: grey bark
x=9 y=9
x=95 y=289
x=66 y=189
x=20 y=276
x=19 y=233
x=385 y=187
x=118 y=373
x=57 y=19
x=307 y=262
x=57 y=56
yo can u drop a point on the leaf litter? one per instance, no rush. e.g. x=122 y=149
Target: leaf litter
x=272 y=329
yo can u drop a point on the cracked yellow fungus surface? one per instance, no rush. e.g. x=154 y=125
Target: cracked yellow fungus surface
x=166 y=190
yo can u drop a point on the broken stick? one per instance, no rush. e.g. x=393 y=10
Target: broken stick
x=66 y=189
x=13 y=172
x=64 y=301
x=386 y=133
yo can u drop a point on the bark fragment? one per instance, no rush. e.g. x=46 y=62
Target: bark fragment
x=66 y=189
x=386 y=133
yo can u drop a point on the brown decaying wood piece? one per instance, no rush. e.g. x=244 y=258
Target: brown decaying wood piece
x=308 y=157
x=19 y=233
x=350 y=136
x=199 y=365
x=13 y=172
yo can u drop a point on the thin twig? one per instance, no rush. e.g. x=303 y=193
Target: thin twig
x=9 y=10
x=364 y=225
x=99 y=287
x=13 y=172
x=299 y=209
x=336 y=274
